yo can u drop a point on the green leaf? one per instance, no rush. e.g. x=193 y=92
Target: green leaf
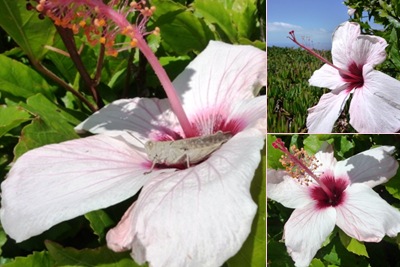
x=345 y=146
x=99 y=222
x=317 y=263
x=232 y=19
x=3 y=238
x=11 y=117
x=51 y=124
x=353 y=245
x=101 y=257
x=176 y=23
x=252 y=252
x=27 y=30
x=21 y=81
x=273 y=154
x=37 y=259
x=313 y=143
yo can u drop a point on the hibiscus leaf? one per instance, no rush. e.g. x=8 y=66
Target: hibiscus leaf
x=252 y=252
x=101 y=256
x=11 y=117
x=393 y=185
x=273 y=154
x=353 y=245
x=26 y=28
x=51 y=124
x=19 y=80
x=317 y=263
x=99 y=222
x=176 y=23
x=313 y=143
x=37 y=259
x=3 y=238
x=344 y=146
x=233 y=20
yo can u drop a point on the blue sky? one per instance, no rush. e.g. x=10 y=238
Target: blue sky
x=312 y=20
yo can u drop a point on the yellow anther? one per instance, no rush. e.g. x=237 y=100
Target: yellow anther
x=82 y=23
x=39 y=7
x=156 y=31
x=99 y=22
x=75 y=28
x=102 y=40
x=133 y=43
x=133 y=4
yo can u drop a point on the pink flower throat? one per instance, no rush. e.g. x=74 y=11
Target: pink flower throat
x=325 y=189
x=336 y=195
x=353 y=75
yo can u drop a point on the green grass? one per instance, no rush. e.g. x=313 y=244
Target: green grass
x=289 y=94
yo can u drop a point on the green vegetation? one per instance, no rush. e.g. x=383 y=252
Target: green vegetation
x=289 y=94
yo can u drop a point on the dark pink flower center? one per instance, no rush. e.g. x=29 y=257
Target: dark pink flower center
x=333 y=195
x=356 y=80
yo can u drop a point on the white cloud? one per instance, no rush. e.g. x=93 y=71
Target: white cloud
x=282 y=26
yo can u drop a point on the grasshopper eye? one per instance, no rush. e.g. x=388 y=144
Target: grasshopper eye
x=149 y=145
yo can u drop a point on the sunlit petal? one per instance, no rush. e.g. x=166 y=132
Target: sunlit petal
x=323 y=116
x=138 y=115
x=58 y=182
x=366 y=216
x=306 y=230
x=220 y=77
x=286 y=190
x=327 y=76
x=375 y=108
x=211 y=201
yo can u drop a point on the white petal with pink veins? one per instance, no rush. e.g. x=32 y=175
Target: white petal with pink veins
x=365 y=216
x=342 y=41
x=306 y=230
x=138 y=115
x=199 y=216
x=58 y=182
x=375 y=108
x=327 y=76
x=121 y=238
x=369 y=50
x=323 y=116
x=221 y=76
x=287 y=190
x=325 y=159
x=371 y=167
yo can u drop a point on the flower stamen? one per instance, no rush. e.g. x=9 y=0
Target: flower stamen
x=298 y=163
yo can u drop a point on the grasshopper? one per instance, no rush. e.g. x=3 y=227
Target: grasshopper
x=189 y=150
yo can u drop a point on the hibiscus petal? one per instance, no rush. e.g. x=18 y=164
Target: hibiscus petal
x=371 y=167
x=322 y=117
x=342 y=41
x=368 y=50
x=58 y=182
x=221 y=76
x=249 y=113
x=325 y=159
x=366 y=216
x=328 y=77
x=121 y=238
x=286 y=190
x=138 y=115
x=306 y=230
x=205 y=212
x=375 y=108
